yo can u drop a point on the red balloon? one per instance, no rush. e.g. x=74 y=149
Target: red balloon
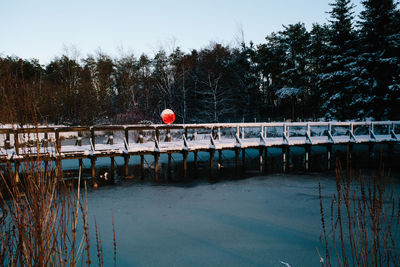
x=168 y=116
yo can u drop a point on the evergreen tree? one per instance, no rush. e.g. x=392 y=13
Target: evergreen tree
x=296 y=76
x=319 y=38
x=270 y=64
x=377 y=69
x=335 y=79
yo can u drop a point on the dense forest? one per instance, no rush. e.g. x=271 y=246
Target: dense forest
x=348 y=68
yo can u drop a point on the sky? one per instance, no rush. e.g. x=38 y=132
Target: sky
x=44 y=29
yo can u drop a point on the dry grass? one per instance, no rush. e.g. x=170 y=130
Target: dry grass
x=363 y=228
x=43 y=220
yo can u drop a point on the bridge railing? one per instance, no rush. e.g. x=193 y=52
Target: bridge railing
x=17 y=137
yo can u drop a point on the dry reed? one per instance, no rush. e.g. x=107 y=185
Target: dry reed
x=364 y=221
x=43 y=220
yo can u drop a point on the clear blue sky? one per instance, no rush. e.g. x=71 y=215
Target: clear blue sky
x=44 y=28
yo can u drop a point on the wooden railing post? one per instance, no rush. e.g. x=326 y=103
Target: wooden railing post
x=79 y=140
x=168 y=137
x=157 y=134
x=111 y=138
x=156 y=157
x=93 y=137
x=7 y=141
x=16 y=142
x=58 y=142
x=127 y=136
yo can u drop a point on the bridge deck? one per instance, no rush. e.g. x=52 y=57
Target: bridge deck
x=211 y=138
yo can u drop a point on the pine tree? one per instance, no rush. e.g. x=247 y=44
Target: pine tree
x=334 y=81
x=378 y=64
x=296 y=76
x=319 y=37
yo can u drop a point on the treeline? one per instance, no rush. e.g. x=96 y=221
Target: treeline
x=348 y=68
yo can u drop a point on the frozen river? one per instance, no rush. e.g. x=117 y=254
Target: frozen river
x=259 y=221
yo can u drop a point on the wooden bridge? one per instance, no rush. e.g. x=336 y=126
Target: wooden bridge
x=80 y=142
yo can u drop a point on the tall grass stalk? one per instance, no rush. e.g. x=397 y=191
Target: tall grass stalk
x=43 y=220
x=364 y=215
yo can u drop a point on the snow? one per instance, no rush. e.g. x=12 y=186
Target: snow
x=274 y=134
x=286 y=92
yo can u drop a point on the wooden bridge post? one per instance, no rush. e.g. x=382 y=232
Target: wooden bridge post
x=307 y=149
x=79 y=141
x=212 y=152
x=142 y=167
x=157 y=134
x=126 y=135
x=186 y=133
x=126 y=166
x=93 y=169
x=237 y=152
x=260 y=159
x=16 y=142
x=7 y=141
x=58 y=170
x=112 y=171
x=169 y=166
x=284 y=158
x=195 y=164
x=329 y=156
x=185 y=155
x=168 y=137
x=80 y=166
x=58 y=141
x=156 y=158
x=219 y=161
x=349 y=155
x=16 y=167
x=46 y=138
x=370 y=150
x=141 y=138
x=243 y=160
x=93 y=137
x=265 y=160
x=390 y=154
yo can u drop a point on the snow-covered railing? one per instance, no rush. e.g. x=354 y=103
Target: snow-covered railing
x=13 y=140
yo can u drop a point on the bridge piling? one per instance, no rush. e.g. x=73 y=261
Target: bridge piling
x=212 y=152
x=260 y=159
x=142 y=167
x=284 y=158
